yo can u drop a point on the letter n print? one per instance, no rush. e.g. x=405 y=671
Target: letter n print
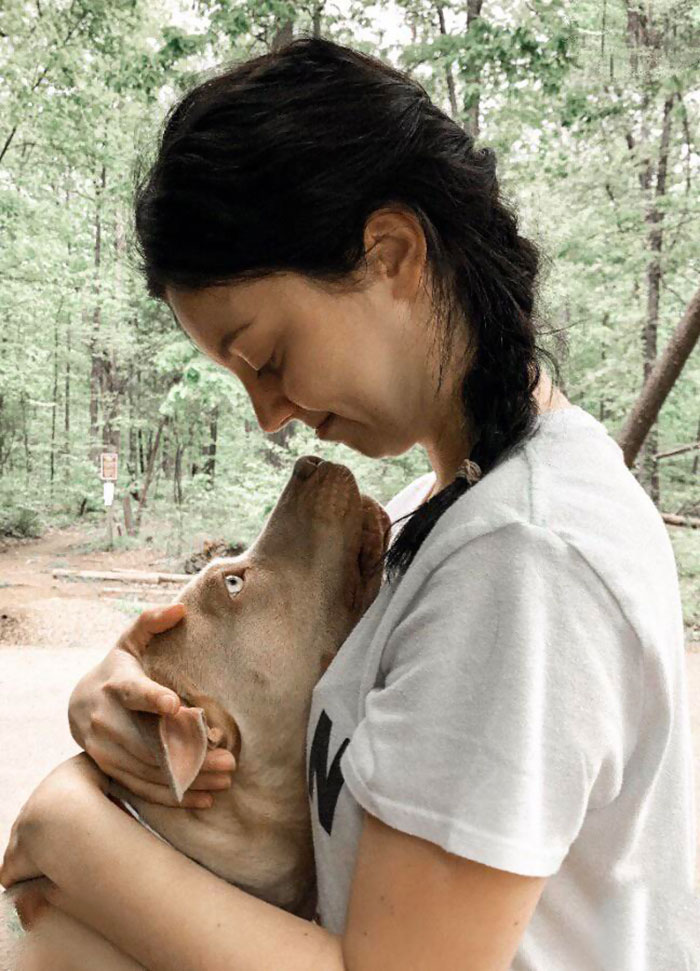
x=329 y=782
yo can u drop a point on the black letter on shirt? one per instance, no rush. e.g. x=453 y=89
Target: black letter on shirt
x=329 y=783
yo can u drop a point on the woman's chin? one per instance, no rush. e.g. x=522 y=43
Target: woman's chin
x=333 y=428
x=322 y=430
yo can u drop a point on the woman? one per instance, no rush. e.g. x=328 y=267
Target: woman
x=497 y=749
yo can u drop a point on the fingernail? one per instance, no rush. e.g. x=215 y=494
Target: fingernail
x=168 y=705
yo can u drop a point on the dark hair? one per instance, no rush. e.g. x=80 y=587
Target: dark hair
x=276 y=164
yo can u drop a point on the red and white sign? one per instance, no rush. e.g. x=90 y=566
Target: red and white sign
x=108 y=466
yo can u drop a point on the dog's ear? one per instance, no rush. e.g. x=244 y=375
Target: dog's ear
x=181 y=741
x=376 y=529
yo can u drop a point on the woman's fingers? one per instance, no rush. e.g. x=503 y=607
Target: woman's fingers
x=115 y=760
x=219 y=760
x=138 y=693
x=152 y=792
x=152 y=621
x=128 y=684
x=114 y=736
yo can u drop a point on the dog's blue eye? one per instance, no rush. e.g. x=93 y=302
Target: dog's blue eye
x=234 y=583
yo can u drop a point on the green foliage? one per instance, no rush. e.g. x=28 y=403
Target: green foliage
x=20 y=521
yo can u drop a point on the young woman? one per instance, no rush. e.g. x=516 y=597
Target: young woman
x=499 y=756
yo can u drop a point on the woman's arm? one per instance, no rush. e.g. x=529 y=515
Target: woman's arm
x=412 y=904
x=160 y=907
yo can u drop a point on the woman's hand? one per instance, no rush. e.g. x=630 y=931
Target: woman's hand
x=99 y=714
x=60 y=791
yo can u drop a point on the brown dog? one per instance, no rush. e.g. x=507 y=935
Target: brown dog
x=259 y=631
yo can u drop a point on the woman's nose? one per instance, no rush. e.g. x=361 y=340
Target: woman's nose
x=272 y=410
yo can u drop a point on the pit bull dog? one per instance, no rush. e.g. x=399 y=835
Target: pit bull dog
x=260 y=629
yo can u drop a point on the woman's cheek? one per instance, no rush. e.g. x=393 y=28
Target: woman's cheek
x=295 y=390
x=306 y=381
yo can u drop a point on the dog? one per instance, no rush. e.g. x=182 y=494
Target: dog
x=259 y=631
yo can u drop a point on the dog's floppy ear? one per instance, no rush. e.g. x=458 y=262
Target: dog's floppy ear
x=181 y=741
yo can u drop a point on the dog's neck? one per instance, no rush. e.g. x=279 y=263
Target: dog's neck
x=271 y=769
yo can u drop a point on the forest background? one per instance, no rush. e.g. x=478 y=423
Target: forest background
x=592 y=108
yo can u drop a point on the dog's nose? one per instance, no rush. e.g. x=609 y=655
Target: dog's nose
x=305 y=466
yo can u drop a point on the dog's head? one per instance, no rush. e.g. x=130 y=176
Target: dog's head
x=261 y=627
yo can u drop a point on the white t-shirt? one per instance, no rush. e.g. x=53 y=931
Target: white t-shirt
x=519 y=698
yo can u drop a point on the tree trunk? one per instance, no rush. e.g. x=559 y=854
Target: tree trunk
x=449 y=79
x=660 y=381
x=280 y=438
x=112 y=387
x=8 y=142
x=210 y=450
x=52 y=463
x=24 y=409
x=318 y=11
x=96 y=362
x=283 y=35
x=149 y=474
x=697 y=454
x=654 y=220
x=128 y=518
x=602 y=402
x=142 y=460
x=472 y=125
x=66 y=406
x=177 y=475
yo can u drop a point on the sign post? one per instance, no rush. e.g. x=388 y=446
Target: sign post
x=109 y=462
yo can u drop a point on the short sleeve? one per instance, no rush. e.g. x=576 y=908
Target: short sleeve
x=507 y=703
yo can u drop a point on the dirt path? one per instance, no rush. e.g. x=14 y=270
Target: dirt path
x=52 y=631
x=39 y=610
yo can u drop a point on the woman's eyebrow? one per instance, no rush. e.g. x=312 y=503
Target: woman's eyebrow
x=228 y=339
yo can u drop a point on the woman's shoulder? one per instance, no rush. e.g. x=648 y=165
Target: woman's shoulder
x=566 y=488
x=569 y=479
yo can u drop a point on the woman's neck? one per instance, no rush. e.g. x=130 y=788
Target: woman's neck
x=448 y=452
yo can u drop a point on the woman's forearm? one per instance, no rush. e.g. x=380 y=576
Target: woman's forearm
x=162 y=908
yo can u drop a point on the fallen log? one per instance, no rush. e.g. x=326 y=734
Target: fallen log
x=124 y=576
x=673 y=520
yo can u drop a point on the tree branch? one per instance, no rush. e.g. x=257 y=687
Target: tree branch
x=661 y=379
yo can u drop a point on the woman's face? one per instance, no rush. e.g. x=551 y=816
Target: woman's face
x=361 y=358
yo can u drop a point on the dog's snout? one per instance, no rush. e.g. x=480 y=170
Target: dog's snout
x=305 y=466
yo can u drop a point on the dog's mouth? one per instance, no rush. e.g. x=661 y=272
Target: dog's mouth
x=367 y=545
x=322 y=508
